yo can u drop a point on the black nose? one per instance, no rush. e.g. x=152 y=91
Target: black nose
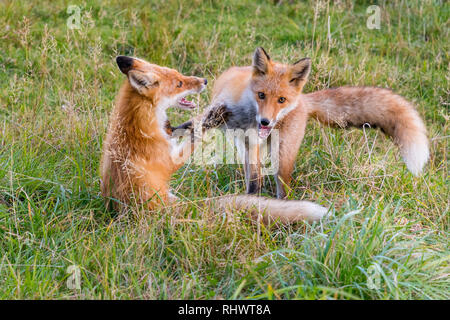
x=265 y=122
x=125 y=63
x=205 y=82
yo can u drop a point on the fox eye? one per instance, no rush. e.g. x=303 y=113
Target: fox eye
x=261 y=95
x=281 y=99
x=180 y=84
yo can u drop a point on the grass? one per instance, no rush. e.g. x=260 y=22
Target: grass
x=389 y=236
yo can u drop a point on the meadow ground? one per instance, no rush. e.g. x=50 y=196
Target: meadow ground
x=389 y=236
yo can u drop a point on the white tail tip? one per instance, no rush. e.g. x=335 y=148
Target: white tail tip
x=314 y=212
x=416 y=156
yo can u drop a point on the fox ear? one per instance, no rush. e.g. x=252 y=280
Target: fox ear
x=300 y=71
x=140 y=80
x=260 y=61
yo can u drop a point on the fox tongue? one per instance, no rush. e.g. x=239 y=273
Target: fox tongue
x=264 y=131
x=186 y=103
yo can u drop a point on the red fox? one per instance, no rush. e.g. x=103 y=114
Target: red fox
x=139 y=157
x=268 y=95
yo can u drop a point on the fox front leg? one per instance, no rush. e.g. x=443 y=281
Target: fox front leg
x=247 y=159
x=252 y=169
x=289 y=144
x=281 y=191
x=180 y=152
x=274 y=151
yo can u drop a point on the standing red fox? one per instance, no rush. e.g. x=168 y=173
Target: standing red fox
x=268 y=95
x=139 y=157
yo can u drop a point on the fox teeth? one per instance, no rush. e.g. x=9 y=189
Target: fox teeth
x=186 y=103
x=264 y=132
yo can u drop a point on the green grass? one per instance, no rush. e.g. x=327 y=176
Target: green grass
x=58 y=87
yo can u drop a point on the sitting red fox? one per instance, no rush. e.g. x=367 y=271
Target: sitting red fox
x=268 y=95
x=137 y=153
x=139 y=157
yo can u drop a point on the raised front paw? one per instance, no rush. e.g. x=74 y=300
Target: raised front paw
x=216 y=116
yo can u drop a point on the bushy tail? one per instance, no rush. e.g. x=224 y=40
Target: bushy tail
x=357 y=106
x=285 y=211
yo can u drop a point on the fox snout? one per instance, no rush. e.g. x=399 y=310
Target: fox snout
x=264 y=122
x=265 y=126
x=190 y=85
x=197 y=84
x=203 y=83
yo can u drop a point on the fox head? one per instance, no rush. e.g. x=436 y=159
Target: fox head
x=276 y=88
x=164 y=86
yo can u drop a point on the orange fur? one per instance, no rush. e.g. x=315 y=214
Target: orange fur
x=374 y=107
x=274 y=90
x=138 y=156
x=137 y=161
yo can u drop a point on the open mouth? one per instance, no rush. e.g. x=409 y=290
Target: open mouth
x=186 y=104
x=264 y=131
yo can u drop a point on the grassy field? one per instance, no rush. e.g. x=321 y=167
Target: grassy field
x=388 y=239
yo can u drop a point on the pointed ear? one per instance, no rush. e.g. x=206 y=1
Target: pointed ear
x=261 y=61
x=300 y=71
x=140 y=80
x=125 y=63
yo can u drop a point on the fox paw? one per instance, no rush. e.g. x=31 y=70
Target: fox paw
x=216 y=116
